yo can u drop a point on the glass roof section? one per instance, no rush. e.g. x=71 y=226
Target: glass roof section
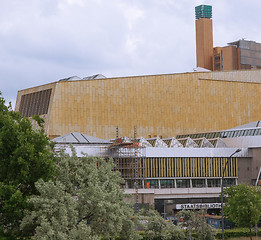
x=224 y=134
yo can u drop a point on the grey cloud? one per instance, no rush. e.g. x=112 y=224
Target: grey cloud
x=43 y=41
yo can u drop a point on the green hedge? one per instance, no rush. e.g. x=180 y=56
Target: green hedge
x=236 y=232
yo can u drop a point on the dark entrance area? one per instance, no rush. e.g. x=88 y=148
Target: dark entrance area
x=168 y=207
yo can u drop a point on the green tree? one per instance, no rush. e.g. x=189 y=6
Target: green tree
x=243 y=205
x=25 y=157
x=156 y=227
x=84 y=197
x=195 y=222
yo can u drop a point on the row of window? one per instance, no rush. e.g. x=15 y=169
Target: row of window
x=162 y=202
x=180 y=183
x=226 y=134
x=36 y=103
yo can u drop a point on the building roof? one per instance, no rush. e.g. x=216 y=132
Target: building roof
x=75 y=78
x=248 y=125
x=250 y=129
x=79 y=138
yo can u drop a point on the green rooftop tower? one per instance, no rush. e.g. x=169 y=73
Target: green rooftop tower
x=203 y=11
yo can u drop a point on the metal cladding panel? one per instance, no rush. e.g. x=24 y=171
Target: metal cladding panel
x=190 y=152
x=243 y=142
x=158 y=105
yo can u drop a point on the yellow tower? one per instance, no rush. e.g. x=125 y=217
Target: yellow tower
x=204 y=36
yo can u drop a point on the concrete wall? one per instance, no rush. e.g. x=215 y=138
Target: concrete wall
x=158 y=105
x=248 y=168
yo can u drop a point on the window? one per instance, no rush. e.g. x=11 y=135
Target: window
x=183 y=183
x=36 y=103
x=252 y=133
x=248 y=132
x=167 y=183
x=198 y=183
x=212 y=135
x=207 y=135
x=213 y=182
x=131 y=183
x=258 y=132
x=243 y=133
x=229 y=182
x=153 y=183
x=230 y=134
x=236 y=133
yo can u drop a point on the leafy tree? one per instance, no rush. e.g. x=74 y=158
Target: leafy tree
x=243 y=205
x=157 y=228
x=194 y=221
x=85 y=199
x=25 y=157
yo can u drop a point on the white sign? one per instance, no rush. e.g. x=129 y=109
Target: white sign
x=198 y=206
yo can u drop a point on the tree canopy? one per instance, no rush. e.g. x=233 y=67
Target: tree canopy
x=195 y=221
x=25 y=157
x=243 y=205
x=84 y=199
x=156 y=227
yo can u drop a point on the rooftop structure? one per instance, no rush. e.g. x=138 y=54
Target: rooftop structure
x=203 y=11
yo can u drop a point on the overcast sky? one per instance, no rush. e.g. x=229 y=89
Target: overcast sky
x=42 y=41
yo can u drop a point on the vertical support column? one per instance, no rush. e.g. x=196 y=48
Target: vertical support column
x=136 y=172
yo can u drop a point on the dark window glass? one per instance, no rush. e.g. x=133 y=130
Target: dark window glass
x=252 y=133
x=236 y=133
x=167 y=183
x=153 y=183
x=248 y=132
x=183 y=183
x=207 y=135
x=198 y=183
x=36 y=103
x=212 y=135
x=131 y=183
x=213 y=182
x=229 y=182
x=230 y=134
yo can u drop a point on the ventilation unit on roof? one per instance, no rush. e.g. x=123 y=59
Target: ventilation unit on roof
x=96 y=76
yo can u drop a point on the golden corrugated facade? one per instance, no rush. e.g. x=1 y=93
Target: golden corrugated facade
x=158 y=105
x=178 y=167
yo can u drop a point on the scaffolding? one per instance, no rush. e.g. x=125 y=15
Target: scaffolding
x=127 y=154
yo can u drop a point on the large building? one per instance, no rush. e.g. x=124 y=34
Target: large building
x=241 y=54
x=158 y=105
x=182 y=172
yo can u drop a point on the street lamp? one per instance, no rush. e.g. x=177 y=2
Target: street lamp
x=222 y=186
